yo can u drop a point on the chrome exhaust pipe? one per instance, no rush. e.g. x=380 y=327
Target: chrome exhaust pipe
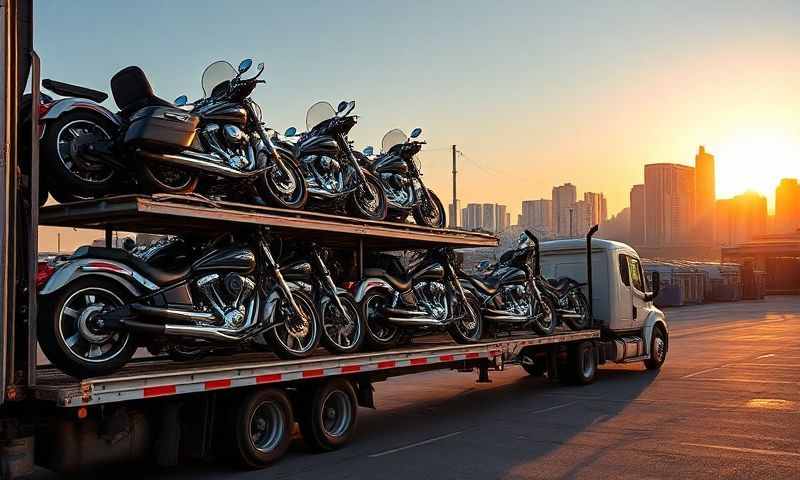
x=174 y=314
x=210 y=333
x=506 y=318
x=570 y=315
x=399 y=312
x=416 y=322
x=201 y=161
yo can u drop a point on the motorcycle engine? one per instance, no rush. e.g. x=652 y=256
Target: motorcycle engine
x=516 y=300
x=326 y=173
x=398 y=191
x=231 y=144
x=226 y=294
x=431 y=297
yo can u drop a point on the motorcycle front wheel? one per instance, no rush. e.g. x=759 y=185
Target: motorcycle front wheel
x=340 y=333
x=469 y=327
x=284 y=186
x=294 y=338
x=369 y=201
x=579 y=304
x=430 y=215
x=544 y=322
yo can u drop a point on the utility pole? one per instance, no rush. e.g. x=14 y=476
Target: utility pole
x=454 y=220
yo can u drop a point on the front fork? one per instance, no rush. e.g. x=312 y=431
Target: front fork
x=285 y=290
x=458 y=287
x=326 y=281
x=345 y=145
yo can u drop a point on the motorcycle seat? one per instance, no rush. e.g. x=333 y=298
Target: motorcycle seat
x=488 y=284
x=132 y=91
x=400 y=283
x=159 y=276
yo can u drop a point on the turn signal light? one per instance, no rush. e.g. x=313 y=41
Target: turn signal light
x=43 y=273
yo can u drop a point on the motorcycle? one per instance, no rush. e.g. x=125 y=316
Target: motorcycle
x=220 y=139
x=103 y=303
x=336 y=181
x=400 y=176
x=342 y=325
x=397 y=302
x=510 y=295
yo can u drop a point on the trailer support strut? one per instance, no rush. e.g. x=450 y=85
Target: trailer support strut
x=483 y=371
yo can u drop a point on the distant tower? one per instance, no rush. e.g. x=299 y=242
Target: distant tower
x=669 y=196
x=637 y=235
x=705 y=195
x=564 y=197
x=787 y=206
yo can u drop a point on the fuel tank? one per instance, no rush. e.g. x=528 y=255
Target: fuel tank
x=324 y=145
x=509 y=275
x=390 y=163
x=226 y=112
x=230 y=259
x=296 y=271
x=430 y=271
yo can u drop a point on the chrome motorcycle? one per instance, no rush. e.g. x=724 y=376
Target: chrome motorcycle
x=343 y=329
x=397 y=302
x=398 y=170
x=336 y=181
x=103 y=303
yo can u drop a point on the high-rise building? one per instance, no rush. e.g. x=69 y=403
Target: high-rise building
x=537 y=214
x=488 y=217
x=787 y=206
x=500 y=218
x=582 y=212
x=564 y=198
x=473 y=216
x=636 y=235
x=705 y=195
x=453 y=214
x=741 y=218
x=508 y=219
x=669 y=196
x=598 y=210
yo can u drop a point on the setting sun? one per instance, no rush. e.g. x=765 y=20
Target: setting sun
x=756 y=160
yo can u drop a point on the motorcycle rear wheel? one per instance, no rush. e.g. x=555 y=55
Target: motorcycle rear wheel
x=430 y=215
x=379 y=333
x=160 y=178
x=578 y=302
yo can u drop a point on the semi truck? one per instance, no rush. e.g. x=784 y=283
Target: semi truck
x=246 y=405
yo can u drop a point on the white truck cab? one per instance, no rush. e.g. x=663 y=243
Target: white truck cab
x=621 y=296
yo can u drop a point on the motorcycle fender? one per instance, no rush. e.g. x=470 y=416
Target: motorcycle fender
x=82 y=268
x=69 y=104
x=369 y=284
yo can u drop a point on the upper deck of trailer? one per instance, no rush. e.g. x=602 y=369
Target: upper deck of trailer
x=166 y=214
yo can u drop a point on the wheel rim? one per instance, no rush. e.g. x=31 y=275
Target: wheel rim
x=337 y=413
x=82 y=335
x=659 y=348
x=469 y=324
x=431 y=213
x=370 y=206
x=588 y=363
x=68 y=134
x=284 y=184
x=546 y=321
x=296 y=336
x=382 y=331
x=267 y=426
x=168 y=177
x=580 y=308
x=343 y=331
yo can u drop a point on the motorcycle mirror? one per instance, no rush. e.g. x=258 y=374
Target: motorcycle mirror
x=369 y=150
x=182 y=100
x=342 y=106
x=482 y=265
x=290 y=132
x=416 y=132
x=245 y=65
x=260 y=66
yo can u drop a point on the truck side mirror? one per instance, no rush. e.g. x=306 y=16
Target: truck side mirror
x=655 y=286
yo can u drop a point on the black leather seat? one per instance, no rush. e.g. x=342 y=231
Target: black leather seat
x=132 y=91
x=399 y=283
x=488 y=284
x=158 y=275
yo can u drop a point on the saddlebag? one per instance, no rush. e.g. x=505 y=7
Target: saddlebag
x=162 y=127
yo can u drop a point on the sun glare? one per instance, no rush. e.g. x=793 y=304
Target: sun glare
x=756 y=160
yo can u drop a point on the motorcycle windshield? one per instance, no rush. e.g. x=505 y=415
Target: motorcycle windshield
x=318 y=113
x=393 y=137
x=216 y=73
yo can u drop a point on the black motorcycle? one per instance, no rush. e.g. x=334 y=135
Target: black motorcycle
x=398 y=170
x=397 y=302
x=103 y=303
x=510 y=296
x=343 y=329
x=218 y=146
x=336 y=180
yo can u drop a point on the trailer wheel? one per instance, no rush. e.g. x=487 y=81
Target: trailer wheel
x=658 y=349
x=582 y=367
x=262 y=428
x=328 y=415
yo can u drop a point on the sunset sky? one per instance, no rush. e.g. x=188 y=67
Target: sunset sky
x=534 y=93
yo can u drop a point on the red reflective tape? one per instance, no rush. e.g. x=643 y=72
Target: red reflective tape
x=351 y=368
x=313 y=373
x=419 y=361
x=388 y=364
x=446 y=358
x=214 y=384
x=272 y=377
x=494 y=353
x=159 y=391
x=472 y=355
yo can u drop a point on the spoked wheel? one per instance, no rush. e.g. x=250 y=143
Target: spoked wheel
x=64 y=157
x=294 y=337
x=161 y=178
x=73 y=336
x=343 y=331
x=261 y=428
x=469 y=327
x=380 y=333
x=329 y=414
x=430 y=214
x=578 y=303
x=284 y=185
x=544 y=322
x=369 y=201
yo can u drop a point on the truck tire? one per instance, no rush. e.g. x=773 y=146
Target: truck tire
x=658 y=349
x=581 y=367
x=261 y=428
x=328 y=414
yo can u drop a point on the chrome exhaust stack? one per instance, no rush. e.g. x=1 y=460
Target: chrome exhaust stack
x=209 y=332
x=201 y=161
x=416 y=322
